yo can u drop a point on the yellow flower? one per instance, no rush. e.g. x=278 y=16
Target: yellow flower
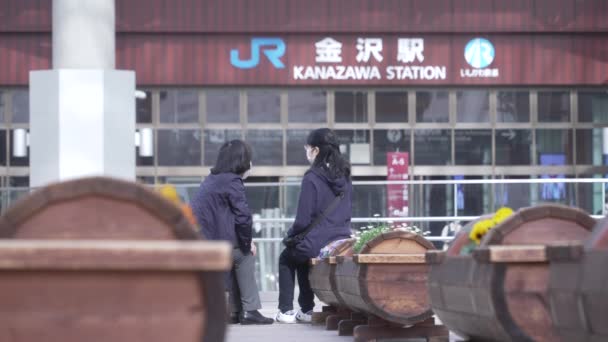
x=502 y=214
x=169 y=192
x=479 y=230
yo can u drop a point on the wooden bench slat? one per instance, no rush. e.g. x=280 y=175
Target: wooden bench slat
x=315 y=261
x=512 y=254
x=417 y=258
x=115 y=255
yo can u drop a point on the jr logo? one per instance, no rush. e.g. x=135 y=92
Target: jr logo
x=273 y=48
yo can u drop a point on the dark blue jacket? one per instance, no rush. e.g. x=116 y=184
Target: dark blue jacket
x=317 y=192
x=220 y=206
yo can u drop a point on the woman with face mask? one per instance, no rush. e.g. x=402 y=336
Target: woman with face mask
x=221 y=209
x=324 y=214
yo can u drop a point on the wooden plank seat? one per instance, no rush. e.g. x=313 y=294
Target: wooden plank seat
x=154 y=281
x=386 y=282
x=501 y=292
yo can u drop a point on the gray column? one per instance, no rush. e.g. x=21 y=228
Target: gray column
x=82 y=113
x=83 y=34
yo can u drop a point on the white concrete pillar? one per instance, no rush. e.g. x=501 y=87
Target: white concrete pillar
x=82 y=113
x=83 y=34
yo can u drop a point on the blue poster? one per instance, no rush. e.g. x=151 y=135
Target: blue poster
x=553 y=191
x=459 y=193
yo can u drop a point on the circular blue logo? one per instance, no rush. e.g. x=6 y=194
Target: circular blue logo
x=479 y=53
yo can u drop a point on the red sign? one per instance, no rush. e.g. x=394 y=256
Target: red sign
x=397 y=194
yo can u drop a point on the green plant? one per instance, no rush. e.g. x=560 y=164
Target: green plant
x=368 y=235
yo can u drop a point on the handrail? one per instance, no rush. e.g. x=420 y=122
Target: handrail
x=436 y=182
x=430 y=238
x=390 y=219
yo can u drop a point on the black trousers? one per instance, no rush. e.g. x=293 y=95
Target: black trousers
x=289 y=266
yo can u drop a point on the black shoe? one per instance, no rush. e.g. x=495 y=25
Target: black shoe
x=254 y=317
x=234 y=318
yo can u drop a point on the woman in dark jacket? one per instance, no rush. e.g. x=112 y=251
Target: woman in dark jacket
x=221 y=209
x=327 y=178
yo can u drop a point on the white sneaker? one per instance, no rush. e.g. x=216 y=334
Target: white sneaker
x=288 y=317
x=304 y=317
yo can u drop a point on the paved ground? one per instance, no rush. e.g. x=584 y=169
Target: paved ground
x=286 y=332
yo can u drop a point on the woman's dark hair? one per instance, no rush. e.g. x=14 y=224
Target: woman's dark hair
x=329 y=157
x=233 y=157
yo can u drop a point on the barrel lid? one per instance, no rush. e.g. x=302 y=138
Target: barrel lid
x=95 y=207
x=541 y=225
x=397 y=242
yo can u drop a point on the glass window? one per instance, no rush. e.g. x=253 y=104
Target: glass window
x=553 y=106
x=350 y=106
x=554 y=146
x=593 y=106
x=214 y=139
x=473 y=146
x=391 y=106
x=513 y=195
x=589 y=146
x=590 y=196
x=20 y=181
x=263 y=106
x=513 y=147
x=432 y=106
x=307 y=105
x=355 y=145
x=21 y=106
x=473 y=106
x=2 y=106
x=179 y=147
x=3 y=147
x=296 y=139
x=144 y=161
x=472 y=199
x=556 y=192
x=432 y=200
x=390 y=140
x=143 y=109
x=179 y=106
x=369 y=200
x=513 y=106
x=146 y=180
x=18 y=161
x=262 y=198
x=432 y=147
x=20 y=187
x=267 y=146
x=222 y=106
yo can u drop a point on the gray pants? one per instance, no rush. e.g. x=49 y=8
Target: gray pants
x=244 y=295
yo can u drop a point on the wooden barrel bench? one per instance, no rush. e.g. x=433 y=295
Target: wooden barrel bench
x=578 y=294
x=97 y=304
x=323 y=283
x=501 y=292
x=386 y=282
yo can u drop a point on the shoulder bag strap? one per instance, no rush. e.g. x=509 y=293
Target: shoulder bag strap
x=318 y=219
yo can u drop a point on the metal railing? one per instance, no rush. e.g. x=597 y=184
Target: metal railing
x=273 y=217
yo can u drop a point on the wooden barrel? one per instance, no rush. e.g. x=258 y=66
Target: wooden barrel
x=322 y=275
x=501 y=294
x=107 y=305
x=388 y=278
x=578 y=294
